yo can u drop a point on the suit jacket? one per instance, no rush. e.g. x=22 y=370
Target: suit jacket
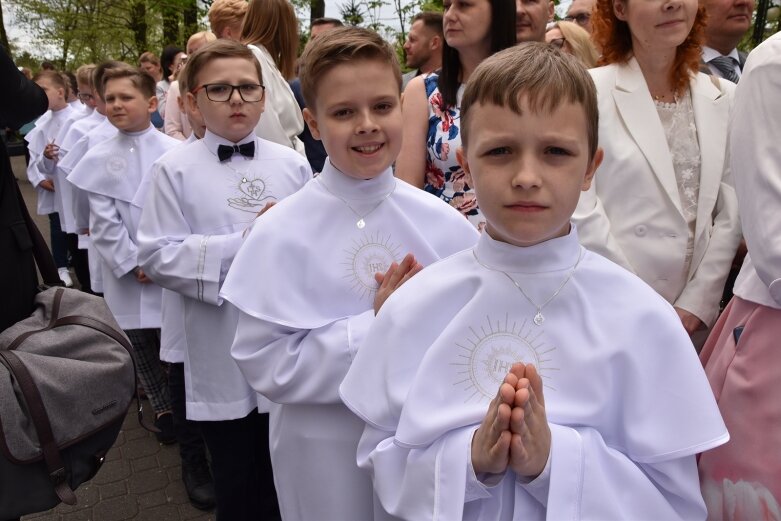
x=20 y=101
x=632 y=212
x=742 y=56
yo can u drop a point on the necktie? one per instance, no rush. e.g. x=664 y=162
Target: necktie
x=726 y=66
x=225 y=152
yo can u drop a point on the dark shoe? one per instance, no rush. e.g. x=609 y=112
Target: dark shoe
x=199 y=485
x=165 y=423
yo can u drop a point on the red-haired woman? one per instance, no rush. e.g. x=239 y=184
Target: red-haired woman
x=662 y=204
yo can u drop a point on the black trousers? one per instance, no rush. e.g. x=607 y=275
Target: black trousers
x=241 y=467
x=188 y=433
x=79 y=261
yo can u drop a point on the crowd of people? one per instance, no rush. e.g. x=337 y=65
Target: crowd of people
x=498 y=286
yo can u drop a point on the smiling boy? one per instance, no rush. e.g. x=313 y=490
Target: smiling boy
x=550 y=383
x=203 y=197
x=331 y=243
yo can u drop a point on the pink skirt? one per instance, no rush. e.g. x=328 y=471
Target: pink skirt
x=741 y=480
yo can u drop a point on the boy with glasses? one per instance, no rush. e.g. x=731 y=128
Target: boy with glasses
x=203 y=197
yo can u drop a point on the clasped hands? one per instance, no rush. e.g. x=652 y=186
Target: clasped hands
x=515 y=431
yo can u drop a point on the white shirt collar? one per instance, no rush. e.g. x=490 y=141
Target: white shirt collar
x=560 y=253
x=709 y=53
x=350 y=188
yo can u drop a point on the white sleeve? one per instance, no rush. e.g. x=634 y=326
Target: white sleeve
x=586 y=480
x=110 y=236
x=594 y=227
x=35 y=170
x=171 y=255
x=289 y=365
x=756 y=166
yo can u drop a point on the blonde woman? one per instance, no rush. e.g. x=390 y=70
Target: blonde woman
x=573 y=39
x=271 y=31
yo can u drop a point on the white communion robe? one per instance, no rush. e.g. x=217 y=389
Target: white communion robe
x=297 y=337
x=40 y=168
x=173 y=339
x=65 y=191
x=80 y=203
x=626 y=398
x=111 y=173
x=192 y=226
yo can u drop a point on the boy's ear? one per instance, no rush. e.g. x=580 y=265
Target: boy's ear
x=619 y=9
x=152 y=104
x=191 y=102
x=592 y=169
x=311 y=121
x=461 y=158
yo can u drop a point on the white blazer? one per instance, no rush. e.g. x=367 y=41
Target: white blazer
x=632 y=212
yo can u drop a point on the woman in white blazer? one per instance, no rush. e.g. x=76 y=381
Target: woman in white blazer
x=270 y=30
x=662 y=203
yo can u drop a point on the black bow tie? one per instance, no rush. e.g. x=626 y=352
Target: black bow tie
x=226 y=151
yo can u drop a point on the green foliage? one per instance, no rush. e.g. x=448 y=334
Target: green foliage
x=73 y=32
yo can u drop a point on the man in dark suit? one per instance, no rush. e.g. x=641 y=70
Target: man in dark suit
x=21 y=101
x=728 y=21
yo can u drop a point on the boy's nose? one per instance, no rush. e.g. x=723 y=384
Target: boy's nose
x=367 y=124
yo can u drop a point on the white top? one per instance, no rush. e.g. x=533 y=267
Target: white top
x=626 y=397
x=281 y=121
x=296 y=338
x=99 y=133
x=756 y=161
x=681 y=133
x=195 y=214
x=161 y=91
x=709 y=53
x=111 y=173
x=46 y=130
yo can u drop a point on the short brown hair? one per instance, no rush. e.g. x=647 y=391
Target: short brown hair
x=431 y=19
x=273 y=24
x=141 y=80
x=343 y=45
x=100 y=70
x=541 y=74
x=214 y=51
x=84 y=74
x=226 y=13
x=149 y=57
x=53 y=77
x=614 y=38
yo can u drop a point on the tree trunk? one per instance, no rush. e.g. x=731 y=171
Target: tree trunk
x=317 y=10
x=170 y=25
x=138 y=25
x=190 y=18
x=3 y=34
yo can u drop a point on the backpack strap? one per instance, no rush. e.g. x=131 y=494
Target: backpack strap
x=43 y=427
x=43 y=257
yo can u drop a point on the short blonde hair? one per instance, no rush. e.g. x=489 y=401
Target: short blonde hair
x=539 y=73
x=141 y=80
x=209 y=52
x=84 y=74
x=149 y=57
x=100 y=70
x=273 y=24
x=226 y=13
x=201 y=36
x=580 y=41
x=343 y=45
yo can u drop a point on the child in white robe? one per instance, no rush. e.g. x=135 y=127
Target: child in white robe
x=202 y=199
x=110 y=173
x=596 y=403
x=316 y=257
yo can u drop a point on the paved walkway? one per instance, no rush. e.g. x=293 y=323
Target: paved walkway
x=141 y=479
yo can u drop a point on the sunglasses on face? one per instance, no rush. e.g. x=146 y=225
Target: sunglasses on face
x=557 y=42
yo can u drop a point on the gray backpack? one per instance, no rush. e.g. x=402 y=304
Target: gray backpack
x=66 y=382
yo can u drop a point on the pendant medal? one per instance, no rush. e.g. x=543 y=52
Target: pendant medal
x=361 y=224
x=539 y=319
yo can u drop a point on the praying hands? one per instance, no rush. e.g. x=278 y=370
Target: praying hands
x=514 y=432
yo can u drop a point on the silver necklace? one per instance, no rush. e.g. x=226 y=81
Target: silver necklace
x=361 y=223
x=538 y=317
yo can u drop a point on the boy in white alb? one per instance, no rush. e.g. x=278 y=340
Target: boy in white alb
x=110 y=174
x=202 y=199
x=317 y=257
x=596 y=402
x=43 y=146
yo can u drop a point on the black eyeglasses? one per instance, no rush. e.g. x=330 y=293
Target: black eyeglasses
x=557 y=42
x=83 y=96
x=580 y=18
x=222 y=92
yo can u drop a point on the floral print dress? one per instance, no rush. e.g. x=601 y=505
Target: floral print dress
x=444 y=176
